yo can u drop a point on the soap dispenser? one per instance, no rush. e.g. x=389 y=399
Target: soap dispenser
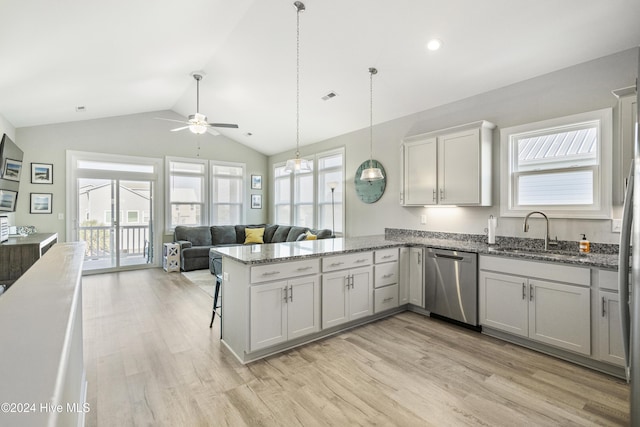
x=585 y=245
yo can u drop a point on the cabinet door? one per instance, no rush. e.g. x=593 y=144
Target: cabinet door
x=459 y=168
x=268 y=315
x=504 y=302
x=610 y=332
x=334 y=298
x=560 y=315
x=416 y=276
x=405 y=259
x=419 y=175
x=303 y=308
x=361 y=293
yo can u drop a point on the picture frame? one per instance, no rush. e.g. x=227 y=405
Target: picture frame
x=41 y=173
x=256 y=201
x=256 y=182
x=11 y=169
x=8 y=200
x=41 y=203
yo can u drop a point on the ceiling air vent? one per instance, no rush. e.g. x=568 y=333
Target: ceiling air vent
x=329 y=96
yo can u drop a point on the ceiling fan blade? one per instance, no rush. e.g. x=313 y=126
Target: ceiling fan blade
x=213 y=132
x=180 y=128
x=224 y=125
x=170 y=120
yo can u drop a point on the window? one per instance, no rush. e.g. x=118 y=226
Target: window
x=204 y=192
x=305 y=199
x=187 y=189
x=561 y=166
x=133 y=217
x=227 y=193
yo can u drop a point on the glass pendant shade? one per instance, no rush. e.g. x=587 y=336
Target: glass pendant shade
x=198 y=129
x=371 y=174
x=297 y=165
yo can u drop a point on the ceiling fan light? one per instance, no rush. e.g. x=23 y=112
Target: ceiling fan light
x=371 y=174
x=197 y=129
x=297 y=165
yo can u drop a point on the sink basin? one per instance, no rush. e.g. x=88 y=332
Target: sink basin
x=551 y=253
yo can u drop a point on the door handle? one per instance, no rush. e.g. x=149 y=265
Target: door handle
x=604 y=305
x=530 y=292
x=286 y=294
x=291 y=293
x=524 y=291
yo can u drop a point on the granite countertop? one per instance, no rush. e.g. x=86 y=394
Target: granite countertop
x=278 y=252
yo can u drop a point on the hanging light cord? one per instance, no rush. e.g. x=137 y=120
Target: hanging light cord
x=372 y=71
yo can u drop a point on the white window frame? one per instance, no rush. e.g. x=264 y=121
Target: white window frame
x=137 y=212
x=313 y=159
x=242 y=178
x=602 y=172
x=204 y=205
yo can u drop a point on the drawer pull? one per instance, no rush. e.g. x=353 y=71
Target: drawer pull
x=304 y=268
x=335 y=264
x=386 y=276
x=387 y=299
x=360 y=261
x=270 y=273
x=387 y=256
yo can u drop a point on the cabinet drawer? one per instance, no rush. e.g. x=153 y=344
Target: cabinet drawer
x=385 y=298
x=385 y=274
x=341 y=262
x=386 y=255
x=285 y=270
x=608 y=279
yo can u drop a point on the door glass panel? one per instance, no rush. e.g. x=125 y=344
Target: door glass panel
x=133 y=231
x=95 y=222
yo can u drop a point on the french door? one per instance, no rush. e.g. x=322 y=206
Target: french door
x=113 y=200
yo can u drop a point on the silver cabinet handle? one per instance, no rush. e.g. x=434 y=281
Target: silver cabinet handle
x=386 y=276
x=524 y=290
x=304 y=268
x=351 y=280
x=604 y=305
x=442 y=194
x=335 y=264
x=387 y=256
x=419 y=257
x=270 y=273
x=360 y=261
x=286 y=294
x=387 y=299
x=434 y=194
x=347 y=281
x=291 y=293
x=530 y=292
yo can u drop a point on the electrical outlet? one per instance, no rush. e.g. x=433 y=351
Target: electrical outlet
x=225 y=276
x=60 y=216
x=423 y=219
x=616 y=225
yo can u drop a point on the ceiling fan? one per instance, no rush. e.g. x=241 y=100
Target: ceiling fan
x=197 y=122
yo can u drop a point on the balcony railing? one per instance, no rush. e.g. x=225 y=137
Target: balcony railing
x=134 y=241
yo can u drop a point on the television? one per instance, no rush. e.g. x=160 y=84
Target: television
x=10 y=173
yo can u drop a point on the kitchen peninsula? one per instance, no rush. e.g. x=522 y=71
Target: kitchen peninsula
x=279 y=296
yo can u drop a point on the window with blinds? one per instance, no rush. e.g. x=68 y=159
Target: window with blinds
x=561 y=166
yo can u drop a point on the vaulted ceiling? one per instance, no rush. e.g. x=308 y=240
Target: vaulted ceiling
x=122 y=57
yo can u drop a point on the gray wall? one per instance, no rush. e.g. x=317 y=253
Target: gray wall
x=133 y=135
x=581 y=88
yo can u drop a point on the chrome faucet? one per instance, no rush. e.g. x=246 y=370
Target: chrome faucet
x=525 y=228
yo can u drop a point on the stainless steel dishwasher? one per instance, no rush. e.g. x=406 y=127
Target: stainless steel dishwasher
x=451 y=285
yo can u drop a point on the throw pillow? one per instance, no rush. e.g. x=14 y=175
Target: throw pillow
x=253 y=235
x=310 y=236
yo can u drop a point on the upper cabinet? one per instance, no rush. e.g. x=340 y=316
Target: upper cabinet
x=448 y=167
x=627 y=113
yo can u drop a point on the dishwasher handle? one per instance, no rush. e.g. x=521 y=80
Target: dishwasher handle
x=454 y=257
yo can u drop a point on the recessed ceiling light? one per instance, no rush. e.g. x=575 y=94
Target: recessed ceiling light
x=434 y=44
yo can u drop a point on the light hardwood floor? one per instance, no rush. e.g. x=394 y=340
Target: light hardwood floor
x=152 y=360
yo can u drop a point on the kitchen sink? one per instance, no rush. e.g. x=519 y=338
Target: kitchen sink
x=552 y=253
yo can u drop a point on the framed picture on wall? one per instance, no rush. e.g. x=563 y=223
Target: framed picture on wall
x=41 y=173
x=256 y=201
x=8 y=200
x=256 y=182
x=41 y=203
x=11 y=169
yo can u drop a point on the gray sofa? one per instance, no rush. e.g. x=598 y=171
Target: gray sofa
x=195 y=241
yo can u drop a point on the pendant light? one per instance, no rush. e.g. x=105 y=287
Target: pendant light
x=297 y=164
x=371 y=173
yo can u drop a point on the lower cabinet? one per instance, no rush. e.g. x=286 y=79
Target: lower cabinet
x=610 y=332
x=346 y=295
x=284 y=310
x=557 y=314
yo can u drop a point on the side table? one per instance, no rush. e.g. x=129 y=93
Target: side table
x=171 y=257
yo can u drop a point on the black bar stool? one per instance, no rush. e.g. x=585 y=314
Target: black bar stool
x=216 y=267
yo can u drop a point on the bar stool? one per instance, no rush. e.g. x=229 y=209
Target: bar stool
x=216 y=264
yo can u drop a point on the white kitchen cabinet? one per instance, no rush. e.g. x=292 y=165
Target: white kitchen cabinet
x=448 y=167
x=386 y=279
x=346 y=295
x=284 y=310
x=403 y=279
x=627 y=113
x=547 y=311
x=610 y=348
x=416 y=276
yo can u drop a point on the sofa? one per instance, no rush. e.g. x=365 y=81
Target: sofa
x=195 y=241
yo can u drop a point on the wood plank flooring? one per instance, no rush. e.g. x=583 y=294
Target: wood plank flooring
x=152 y=360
